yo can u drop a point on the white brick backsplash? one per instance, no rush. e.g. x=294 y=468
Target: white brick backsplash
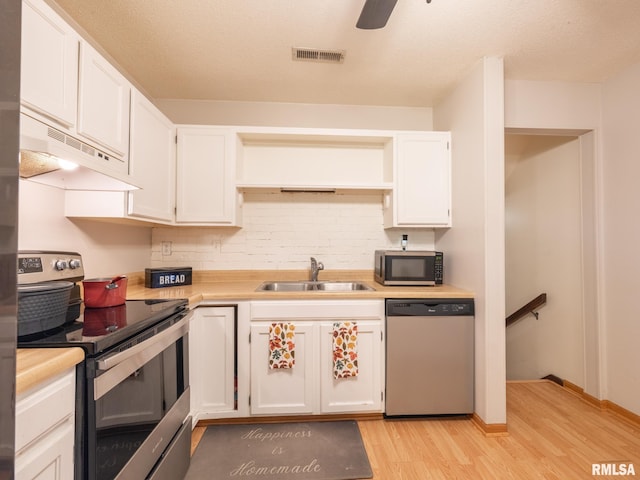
x=282 y=230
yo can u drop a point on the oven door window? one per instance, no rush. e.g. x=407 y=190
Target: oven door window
x=127 y=413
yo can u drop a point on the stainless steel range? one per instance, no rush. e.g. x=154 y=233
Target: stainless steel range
x=132 y=412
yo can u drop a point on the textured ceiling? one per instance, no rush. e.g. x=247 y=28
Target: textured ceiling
x=240 y=50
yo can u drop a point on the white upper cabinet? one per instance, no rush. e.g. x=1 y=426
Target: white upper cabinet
x=422 y=181
x=152 y=161
x=206 y=192
x=49 y=70
x=103 y=104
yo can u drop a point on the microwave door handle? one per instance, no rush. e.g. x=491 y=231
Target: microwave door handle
x=119 y=366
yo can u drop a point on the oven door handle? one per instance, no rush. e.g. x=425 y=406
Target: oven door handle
x=120 y=365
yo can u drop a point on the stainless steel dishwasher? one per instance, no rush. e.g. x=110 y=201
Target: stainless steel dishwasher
x=429 y=357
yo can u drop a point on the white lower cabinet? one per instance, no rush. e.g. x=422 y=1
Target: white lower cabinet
x=213 y=363
x=310 y=387
x=283 y=390
x=362 y=393
x=45 y=426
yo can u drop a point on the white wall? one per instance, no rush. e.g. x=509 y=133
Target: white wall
x=475 y=245
x=621 y=232
x=296 y=115
x=551 y=105
x=282 y=230
x=544 y=254
x=107 y=249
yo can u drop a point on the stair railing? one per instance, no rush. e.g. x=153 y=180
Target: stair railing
x=530 y=307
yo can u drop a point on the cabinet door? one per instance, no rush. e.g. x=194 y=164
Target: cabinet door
x=212 y=361
x=422 y=187
x=282 y=390
x=152 y=161
x=50 y=458
x=45 y=429
x=49 y=69
x=363 y=392
x=103 y=104
x=205 y=176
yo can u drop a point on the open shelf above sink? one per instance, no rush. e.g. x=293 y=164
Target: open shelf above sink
x=315 y=160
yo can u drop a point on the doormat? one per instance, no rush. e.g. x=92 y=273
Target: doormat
x=282 y=451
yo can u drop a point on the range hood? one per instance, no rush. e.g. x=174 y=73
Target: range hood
x=55 y=158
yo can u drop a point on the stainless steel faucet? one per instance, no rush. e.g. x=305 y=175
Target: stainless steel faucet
x=315 y=268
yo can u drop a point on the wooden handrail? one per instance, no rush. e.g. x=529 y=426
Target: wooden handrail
x=528 y=308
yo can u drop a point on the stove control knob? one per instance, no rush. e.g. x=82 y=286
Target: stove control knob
x=60 y=265
x=74 y=263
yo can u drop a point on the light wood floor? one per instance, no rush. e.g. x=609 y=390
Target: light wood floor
x=553 y=434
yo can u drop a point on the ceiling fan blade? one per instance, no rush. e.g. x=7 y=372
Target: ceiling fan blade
x=375 y=14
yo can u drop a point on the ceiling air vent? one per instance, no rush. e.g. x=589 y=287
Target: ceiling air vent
x=316 y=55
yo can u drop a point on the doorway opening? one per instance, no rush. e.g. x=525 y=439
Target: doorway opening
x=550 y=248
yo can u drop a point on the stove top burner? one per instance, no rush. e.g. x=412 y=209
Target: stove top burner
x=100 y=328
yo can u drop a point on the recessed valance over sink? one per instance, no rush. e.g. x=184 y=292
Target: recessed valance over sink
x=302 y=158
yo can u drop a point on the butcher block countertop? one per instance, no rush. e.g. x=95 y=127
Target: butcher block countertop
x=35 y=365
x=241 y=285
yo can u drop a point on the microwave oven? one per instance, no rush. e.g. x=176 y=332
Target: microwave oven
x=406 y=267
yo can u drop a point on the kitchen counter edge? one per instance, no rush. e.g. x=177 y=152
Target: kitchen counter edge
x=225 y=286
x=37 y=365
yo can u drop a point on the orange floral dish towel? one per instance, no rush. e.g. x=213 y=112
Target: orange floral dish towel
x=345 y=349
x=282 y=345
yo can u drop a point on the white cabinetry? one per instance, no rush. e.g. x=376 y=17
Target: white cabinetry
x=283 y=391
x=354 y=394
x=152 y=161
x=213 y=362
x=49 y=68
x=75 y=103
x=310 y=387
x=103 y=104
x=206 y=193
x=45 y=430
x=422 y=181
x=314 y=159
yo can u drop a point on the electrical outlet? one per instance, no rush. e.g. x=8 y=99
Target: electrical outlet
x=166 y=248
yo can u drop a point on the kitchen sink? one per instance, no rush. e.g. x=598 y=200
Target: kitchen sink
x=304 y=286
x=342 y=286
